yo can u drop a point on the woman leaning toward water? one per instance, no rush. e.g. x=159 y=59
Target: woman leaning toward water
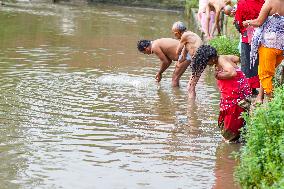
x=268 y=41
x=233 y=86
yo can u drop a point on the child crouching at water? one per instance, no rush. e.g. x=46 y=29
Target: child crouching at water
x=233 y=86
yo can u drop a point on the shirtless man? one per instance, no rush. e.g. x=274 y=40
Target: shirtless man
x=216 y=6
x=188 y=45
x=165 y=50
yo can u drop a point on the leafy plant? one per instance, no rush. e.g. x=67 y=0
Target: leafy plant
x=262 y=158
x=225 y=45
x=191 y=4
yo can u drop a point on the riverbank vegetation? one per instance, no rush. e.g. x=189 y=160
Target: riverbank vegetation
x=225 y=45
x=262 y=157
x=190 y=5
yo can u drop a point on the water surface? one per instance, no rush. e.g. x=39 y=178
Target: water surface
x=80 y=107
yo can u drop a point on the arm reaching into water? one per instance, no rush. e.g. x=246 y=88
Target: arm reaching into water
x=165 y=63
x=181 y=46
x=191 y=86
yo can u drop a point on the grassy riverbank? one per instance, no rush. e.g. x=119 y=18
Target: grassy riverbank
x=225 y=45
x=262 y=157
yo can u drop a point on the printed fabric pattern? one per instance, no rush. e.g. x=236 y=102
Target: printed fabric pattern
x=270 y=34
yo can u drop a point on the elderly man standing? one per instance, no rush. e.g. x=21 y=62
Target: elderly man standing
x=188 y=45
x=165 y=50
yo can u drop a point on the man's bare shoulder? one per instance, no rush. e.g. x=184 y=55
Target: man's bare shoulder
x=162 y=44
x=189 y=35
x=165 y=42
x=162 y=40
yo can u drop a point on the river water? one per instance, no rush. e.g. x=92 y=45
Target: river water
x=80 y=107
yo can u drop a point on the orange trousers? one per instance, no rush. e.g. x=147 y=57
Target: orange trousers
x=269 y=59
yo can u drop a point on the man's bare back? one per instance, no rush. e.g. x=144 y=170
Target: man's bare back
x=191 y=42
x=215 y=5
x=166 y=46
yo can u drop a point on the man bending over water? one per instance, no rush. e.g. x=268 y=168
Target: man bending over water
x=187 y=47
x=165 y=50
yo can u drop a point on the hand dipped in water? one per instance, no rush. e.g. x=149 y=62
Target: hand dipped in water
x=158 y=77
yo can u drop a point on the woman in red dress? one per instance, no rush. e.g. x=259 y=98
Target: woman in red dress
x=233 y=86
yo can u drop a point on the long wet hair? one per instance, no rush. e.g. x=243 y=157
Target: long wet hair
x=143 y=44
x=202 y=56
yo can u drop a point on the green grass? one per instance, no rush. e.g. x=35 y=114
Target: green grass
x=262 y=157
x=225 y=45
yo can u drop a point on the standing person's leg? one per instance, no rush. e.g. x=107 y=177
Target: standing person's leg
x=249 y=70
x=179 y=70
x=269 y=59
x=245 y=58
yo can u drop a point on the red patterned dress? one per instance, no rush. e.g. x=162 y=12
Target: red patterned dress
x=232 y=92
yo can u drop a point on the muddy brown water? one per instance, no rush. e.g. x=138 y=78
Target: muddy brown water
x=80 y=107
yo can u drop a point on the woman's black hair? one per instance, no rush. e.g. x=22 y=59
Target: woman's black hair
x=201 y=58
x=142 y=44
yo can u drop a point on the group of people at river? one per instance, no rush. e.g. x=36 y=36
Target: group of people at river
x=261 y=52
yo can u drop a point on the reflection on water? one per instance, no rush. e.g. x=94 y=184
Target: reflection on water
x=80 y=107
x=66 y=20
x=225 y=164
